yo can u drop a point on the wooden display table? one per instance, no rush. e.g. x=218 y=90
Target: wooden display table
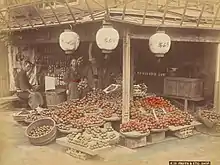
x=186 y=100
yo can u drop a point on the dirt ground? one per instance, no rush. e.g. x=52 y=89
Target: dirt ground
x=15 y=149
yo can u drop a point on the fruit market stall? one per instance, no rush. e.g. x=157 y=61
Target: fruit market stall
x=93 y=123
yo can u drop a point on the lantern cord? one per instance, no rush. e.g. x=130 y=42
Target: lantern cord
x=158 y=60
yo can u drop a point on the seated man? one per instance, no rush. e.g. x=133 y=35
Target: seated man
x=24 y=88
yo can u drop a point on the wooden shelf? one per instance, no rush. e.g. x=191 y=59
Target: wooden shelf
x=64 y=142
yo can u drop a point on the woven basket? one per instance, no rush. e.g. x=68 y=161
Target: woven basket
x=205 y=121
x=45 y=139
x=20 y=116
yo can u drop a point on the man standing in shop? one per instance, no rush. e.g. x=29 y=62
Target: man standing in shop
x=24 y=88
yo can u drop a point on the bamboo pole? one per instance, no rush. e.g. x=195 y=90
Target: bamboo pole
x=184 y=12
x=145 y=11
x=200 y=16
x=126 y=78
x=217 y=82
x=90 y=10
x=38 y=12
x=7 y=23
x=216 y=15
x=52 y=9
x=124 y=9
x=107 y=9
x=70 y=11
x=165 y=11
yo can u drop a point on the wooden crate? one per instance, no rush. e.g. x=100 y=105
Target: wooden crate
x=184 y=133
x=156 y=137
x=133 y=143
x=183 y=87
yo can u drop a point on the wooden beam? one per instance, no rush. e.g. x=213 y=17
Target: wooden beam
x=217 y=82
x=124 y=9
x=200 y=16
x=7 y=23
x=145 y=11
x=216 y=15
x=52 y=9
x=184 y=12
x=165 y=11
x=126 y=78
x=38 y=12
x=70 y=11
x=90 y=10
x=107 y=9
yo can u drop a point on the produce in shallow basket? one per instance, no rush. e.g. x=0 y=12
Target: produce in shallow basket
x=20 y=116
x=41 y=132
x=208 y=117
x=134 y=129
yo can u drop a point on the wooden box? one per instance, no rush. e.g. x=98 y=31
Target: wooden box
x=183 y=87
x=133 y=143
x=156 y=137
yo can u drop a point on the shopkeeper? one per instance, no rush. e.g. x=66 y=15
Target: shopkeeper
x=72 y=79
x=24 y=88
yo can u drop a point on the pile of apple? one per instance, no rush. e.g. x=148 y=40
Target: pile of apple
x=134 y=125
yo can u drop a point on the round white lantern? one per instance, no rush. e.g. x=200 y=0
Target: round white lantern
x=107 y=38
x=69 y=41
x=159 y=43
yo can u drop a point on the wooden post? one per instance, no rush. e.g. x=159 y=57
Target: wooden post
x=126 y=77
x=217 y=79
x=132 y=74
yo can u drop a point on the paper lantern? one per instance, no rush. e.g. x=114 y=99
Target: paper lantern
x=69 y=41
x=107 y=38
x=159 y=43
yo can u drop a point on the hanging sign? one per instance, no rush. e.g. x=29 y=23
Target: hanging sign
x=159 y=43
x=107 y=38
x=69 y=41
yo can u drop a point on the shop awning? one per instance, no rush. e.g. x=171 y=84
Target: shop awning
x=184 y=14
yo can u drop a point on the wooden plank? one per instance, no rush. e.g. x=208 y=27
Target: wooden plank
x=70 y=11
x=200 y=16
x=184 y=12
x=126 y=78
x=145 y=11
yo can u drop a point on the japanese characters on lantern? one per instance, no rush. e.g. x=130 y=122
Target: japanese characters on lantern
x=107 y=38
x=159 y=43
x=69 y=41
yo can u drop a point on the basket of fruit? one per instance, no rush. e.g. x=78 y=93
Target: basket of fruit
x=134 y=129
x=41 y=132
x=67 y=129
x=32 y=116
x=20 y=116
x=208 y=118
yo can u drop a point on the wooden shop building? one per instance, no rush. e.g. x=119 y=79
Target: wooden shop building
x=34 y=28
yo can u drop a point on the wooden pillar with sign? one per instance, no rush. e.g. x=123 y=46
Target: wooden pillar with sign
x=126 y=78
x=217 y=82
